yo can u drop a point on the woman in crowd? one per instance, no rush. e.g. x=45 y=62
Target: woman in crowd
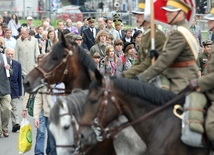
x=137 y=40
x=13 y=25
x=52 y=40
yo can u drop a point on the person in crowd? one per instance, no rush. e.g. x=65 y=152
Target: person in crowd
x=85 y=26
x=13 y=25
x=1 y=30
x=29 y=22
x=196 y=31
x=101 y=23
x=90 y=34
x=108 y=65
x=26 y=52
x=2 y=45
x=6 y=17
x=110 y=29
x=1 y=19
x=78 y=26
x=70 y=27
x=205 y=84
x=144 y=60
x=118 y=50
x=129 y=56
x=46 y=25
x=41 y=114
x=60 y=27
x=128 y=36
x=9 y=40
x=52 y=40
x=205 y=56
x=178 y=59
x=100 y=45
x=5 y=97
x=38 y=36
x=137 y=40
x=96 y=58
x=118 y=27
x=16 y=87
x=110 y=39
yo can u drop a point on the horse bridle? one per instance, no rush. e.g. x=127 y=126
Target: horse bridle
x=49 y=74
x=76 y=144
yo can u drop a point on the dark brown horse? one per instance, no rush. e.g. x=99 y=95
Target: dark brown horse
x=109 y=98
x=70 y=64
x=67 y=63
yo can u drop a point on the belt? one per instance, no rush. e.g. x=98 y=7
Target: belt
x=183 y=64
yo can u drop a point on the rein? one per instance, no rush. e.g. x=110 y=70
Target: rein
x=47 y=75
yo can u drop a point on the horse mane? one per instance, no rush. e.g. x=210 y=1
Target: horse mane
x=84 y=58
x=75 y=102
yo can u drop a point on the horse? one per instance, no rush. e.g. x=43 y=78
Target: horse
x=64 y=117
x=70 y=64
x=108 y=98
x=67 y=63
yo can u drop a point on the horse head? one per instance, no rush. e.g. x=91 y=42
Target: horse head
x=67 y=63
x=64 y=128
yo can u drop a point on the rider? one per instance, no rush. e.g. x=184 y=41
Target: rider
x=205 y=84
x=144 y=61
x=178 y=59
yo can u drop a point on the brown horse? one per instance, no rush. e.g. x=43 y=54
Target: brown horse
x=67 y=63
x=109 y=98
x=70 y=64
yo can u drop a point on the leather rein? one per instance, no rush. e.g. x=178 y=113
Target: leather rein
x=102 y=133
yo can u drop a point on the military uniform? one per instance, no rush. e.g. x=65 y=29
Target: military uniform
x=202 y=61
x=143 y=61
x=206 y=85
x=176 y=51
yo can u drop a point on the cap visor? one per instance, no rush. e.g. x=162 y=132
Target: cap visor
x=138 y=11
x=170 y=8
x=209 y=17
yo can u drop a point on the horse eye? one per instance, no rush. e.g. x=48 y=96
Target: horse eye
x=93 y=101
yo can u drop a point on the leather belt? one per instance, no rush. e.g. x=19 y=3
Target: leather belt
x=183 y=64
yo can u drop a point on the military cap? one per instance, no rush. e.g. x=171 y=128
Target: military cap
x=207 y=42
x=140 y=8
x=176 y=5
x=116 y=16
x=117 y=21
x=91 y=19
x=210 y=16
x=77 y=37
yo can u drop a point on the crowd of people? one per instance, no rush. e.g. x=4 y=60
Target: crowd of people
x=116 y=52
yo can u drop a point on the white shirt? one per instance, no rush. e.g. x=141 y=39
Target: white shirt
x=10 y=42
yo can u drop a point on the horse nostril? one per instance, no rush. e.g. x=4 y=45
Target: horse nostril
x=26 y=83
x=66 y=127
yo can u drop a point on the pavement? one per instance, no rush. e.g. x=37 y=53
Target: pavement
x=9 y=145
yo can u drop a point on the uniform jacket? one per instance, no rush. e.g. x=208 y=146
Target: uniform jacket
x=88 y=38
x=98 y=48
x=202 y=61
x=143 y=61
x=176 y=50
x=16 y=80
x=206 y=83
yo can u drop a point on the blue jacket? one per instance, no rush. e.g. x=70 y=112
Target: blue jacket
x=16 y=80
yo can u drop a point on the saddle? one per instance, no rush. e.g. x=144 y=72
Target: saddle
x=193 y=118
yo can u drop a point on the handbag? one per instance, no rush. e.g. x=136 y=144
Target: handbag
x=30 y=104
x=25 y=136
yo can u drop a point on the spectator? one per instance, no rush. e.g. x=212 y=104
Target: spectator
x=60 y=27
x=118 y=50
x=9 y=40
x=29 y=22
x=70 y=27
x=5 y=97
x=101 y=22
x=2 y=45
x=90 y=34
x=110 y=39
x=137 y=40
x=85 y=26
x=38 y=36
x=118 y=27
x=196 y=31
x=1 y=30
x=52 y=40
x=128 y=36
x=78 y=26
x=16 y=87
x=109 y=28
x=6 y=18
x=96 y=59
x=13 y=25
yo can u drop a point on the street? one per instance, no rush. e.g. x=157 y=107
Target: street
x=9 y=146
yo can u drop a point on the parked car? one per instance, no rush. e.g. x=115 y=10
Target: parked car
x=69 y=12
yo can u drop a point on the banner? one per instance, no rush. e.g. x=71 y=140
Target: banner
x=160 y=14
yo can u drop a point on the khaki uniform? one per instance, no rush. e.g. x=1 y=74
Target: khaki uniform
x=206 y=85
x=176 y=50
x=202 y=61
x=143 y=61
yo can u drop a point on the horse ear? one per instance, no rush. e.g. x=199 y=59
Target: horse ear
x=98 y=76
x=61 y=37
x=59 y=101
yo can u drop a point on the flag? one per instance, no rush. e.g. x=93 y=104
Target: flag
x=160 y=14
